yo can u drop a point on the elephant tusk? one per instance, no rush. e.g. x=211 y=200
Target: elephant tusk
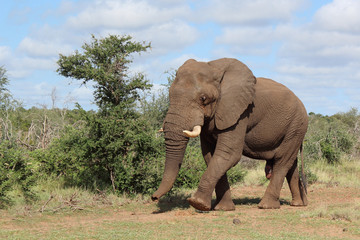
x=194 y=133
x=161 y=130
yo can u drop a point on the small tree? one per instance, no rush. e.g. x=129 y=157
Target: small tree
x=105 y=61
x=118 y=147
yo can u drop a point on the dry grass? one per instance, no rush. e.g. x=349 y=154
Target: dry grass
x=328 y=216
x=72 y=213
x=345 y=173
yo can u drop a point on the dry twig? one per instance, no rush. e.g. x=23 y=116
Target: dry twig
x=42 y=209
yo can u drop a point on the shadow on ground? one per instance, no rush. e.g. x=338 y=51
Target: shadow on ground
x=179 y=201
x=171 y=202
x=255 y=201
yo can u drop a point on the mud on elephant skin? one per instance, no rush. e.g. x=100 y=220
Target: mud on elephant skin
x=235 y=114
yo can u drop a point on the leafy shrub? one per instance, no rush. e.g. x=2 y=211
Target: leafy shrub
x=329 y=152
x=328 y=137
x=107 y=152
x=236 y=174
x=310 y=177
x=192 y=167
x=16 y=170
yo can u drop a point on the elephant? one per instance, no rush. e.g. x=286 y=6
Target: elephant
x=235 y=114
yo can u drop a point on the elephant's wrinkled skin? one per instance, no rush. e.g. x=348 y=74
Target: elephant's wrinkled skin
x=238 y=114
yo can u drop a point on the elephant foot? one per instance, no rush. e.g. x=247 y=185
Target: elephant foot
x=269 y=204
x=199 y=203
x=299 y=203
x=225 y=206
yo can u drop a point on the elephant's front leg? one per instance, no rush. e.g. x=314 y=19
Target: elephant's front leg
x=222 y=188
x=227 y=153
x=215 y=175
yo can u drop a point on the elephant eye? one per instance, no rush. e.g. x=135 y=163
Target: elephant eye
x=203 y=99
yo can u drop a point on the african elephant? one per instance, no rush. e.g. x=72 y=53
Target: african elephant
x=235 y=114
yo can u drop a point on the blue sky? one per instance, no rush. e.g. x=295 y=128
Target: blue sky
x=313 y=47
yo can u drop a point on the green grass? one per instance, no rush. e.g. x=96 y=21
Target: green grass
x=74 y=213
x=205 y=226
x=345 y=173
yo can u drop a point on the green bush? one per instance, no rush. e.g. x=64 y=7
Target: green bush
x=107 y=152
x=329 y=152
x=328 y=138
x=192 y=167
x=16 y=168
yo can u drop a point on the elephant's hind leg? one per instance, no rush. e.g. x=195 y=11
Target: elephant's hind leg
x=280 y=169
x=296 y=187
x=271 y=197
x=223 y=195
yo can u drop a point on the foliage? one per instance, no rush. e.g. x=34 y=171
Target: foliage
x=16 y=171
x=192 y=166
x=105 y=62
x=330 y=137
x=114 y=152
x=118 y=148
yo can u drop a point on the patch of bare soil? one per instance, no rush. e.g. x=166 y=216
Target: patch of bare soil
x=174 y=210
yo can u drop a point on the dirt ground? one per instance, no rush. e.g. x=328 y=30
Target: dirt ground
x=328 y=216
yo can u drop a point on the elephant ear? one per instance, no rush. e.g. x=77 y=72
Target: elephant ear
x=237 y=91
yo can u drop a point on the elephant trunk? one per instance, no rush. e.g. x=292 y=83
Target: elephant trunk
x=175 y=142
x=176 y=133
x=174 y=157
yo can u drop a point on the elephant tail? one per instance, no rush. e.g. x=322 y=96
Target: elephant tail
x=303 y=177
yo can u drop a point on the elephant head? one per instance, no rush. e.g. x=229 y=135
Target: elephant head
x=218 y=91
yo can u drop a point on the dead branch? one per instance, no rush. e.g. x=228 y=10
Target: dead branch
x=46 y=203
x=112 y=178
x=72 y=203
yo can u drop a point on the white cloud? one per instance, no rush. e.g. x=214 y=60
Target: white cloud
x=339 y=15
x=169 y=36
x=180 y=60
x=248 y=40
x=43 y=47
x=141 y=19
x=316 y=47
x=5 y=55
x=23 y=66
x=67 y=7
x=20 y=66
x=125 y=14
x=164 y=27
x=83 y=92
x=253 y=12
